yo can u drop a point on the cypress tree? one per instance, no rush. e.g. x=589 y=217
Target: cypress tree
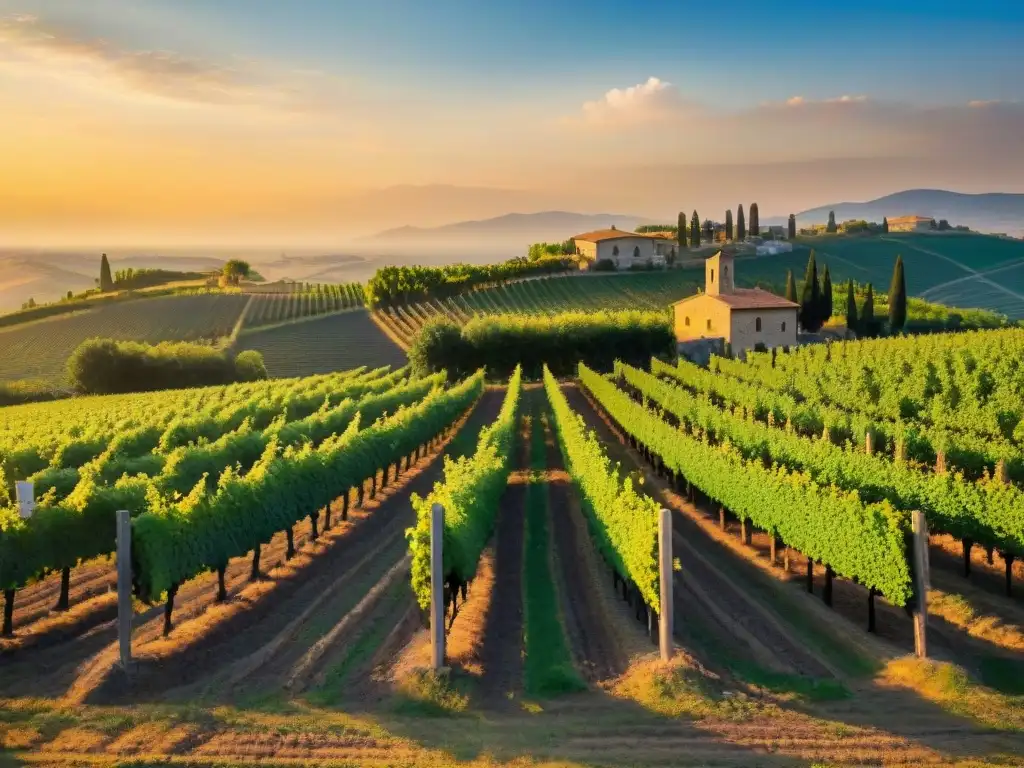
x=885 y=224
x=867 y=312
x=106 y=281
x=741 y=225
x=755 y=224
x=790 y=287
x=898 y=297
x=826 y=297
x=810 y=302
x=831 y=226
x=695 y=230
x=681 y=226
x=728 y=224
x=792 y=226
x=851 y=307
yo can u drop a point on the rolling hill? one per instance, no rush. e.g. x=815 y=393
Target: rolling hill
x=990 y=212
x=523 y=228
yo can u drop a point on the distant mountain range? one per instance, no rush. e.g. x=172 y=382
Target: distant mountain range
x=989 y=212
x=521 y=228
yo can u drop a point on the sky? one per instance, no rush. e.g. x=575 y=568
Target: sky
x=260 y=121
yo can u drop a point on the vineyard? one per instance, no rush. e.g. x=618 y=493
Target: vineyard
x=40 y=350
x=332 y=343
x=280 y=564
x=300 y=300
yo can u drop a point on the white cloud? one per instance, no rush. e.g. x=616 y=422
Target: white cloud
x=71 y=53
x=652 y=100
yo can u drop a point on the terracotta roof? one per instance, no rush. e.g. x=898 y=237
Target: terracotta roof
x=607 y=234
x=748 y=298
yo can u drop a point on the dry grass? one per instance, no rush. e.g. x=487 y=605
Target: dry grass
x=959 y=611
x=681 y=687
x=950 y=687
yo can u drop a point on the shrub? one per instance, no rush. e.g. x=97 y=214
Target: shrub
x=27 y=391
x=438 y=346
x=249 y=366
x=604 y=265
x=106 y=366
x=500 y=342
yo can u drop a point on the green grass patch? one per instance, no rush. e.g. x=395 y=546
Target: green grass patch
x=548 y=669
x=376 y=630
x=1003 y=674
x=800 y=686
x=429 y=694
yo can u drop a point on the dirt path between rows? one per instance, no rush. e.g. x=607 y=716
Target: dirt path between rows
x=593 y=640
x=501 y=650
x=738 y=622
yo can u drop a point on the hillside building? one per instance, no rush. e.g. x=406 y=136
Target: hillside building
x=624 y=249
x=911 y=224
x=743 y=317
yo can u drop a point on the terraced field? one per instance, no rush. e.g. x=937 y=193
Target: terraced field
x=316 y=299
x=333 y=343
x=39 y=350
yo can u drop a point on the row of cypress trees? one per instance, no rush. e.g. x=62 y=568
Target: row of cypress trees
x=695 y=226
x=816 y=301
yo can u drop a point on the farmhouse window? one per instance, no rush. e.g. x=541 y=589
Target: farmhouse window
x=709 y=325
x=757 y=324
x=783 y=325
x=636 y=252
x=712 y=275
x=686 y=322
x=615 y=250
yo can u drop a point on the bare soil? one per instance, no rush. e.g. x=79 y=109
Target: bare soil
x=593 y=640
x=501 y=652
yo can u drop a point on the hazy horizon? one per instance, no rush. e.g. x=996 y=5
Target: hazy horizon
x=310 y=124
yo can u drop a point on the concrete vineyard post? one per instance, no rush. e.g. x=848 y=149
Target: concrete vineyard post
x=124 y=587
x=437 y=586
x=922 y=580
x=25 y=493
x=665 y=563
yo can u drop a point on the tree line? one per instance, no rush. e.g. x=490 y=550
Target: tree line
x=816 y=301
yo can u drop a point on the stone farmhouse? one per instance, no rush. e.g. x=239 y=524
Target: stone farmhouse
x=743 y=317
x=911 y=224
x=624 y=249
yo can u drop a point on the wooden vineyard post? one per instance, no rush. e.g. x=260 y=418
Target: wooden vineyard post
x=124 y=588
x=869 y=443
x=922 y=580
x=665 y=621
x=437 y=587
x=25 y=493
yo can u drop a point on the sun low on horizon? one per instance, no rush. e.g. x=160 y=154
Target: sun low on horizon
x=313 y=122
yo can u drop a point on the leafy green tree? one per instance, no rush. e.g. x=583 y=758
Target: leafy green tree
x=695 y=230
x=681 y=229
x=826 y=297
x=885 y=224
x=741 y=225
x=234 y=270
x=728 y=224
x=790 y=287
x=851 y=307
x=898 y=297
x=755 y=222
x=792 y=226
x=810 y=302
x=106 y=281
x=867 y=313
x=831 y=226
